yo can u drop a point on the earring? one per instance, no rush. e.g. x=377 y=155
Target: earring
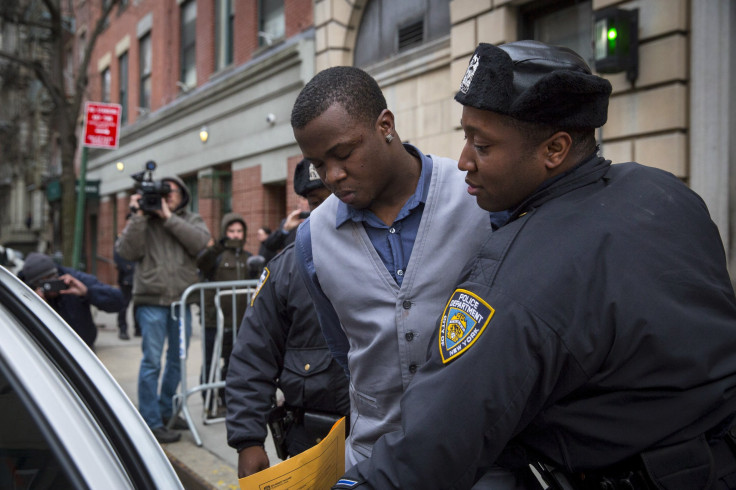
x=389 y=138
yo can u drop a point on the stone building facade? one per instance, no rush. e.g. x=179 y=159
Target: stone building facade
x=677 y=114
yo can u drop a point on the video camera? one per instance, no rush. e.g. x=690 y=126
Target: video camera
x=151 y=191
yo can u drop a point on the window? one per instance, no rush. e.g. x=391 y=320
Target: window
x=105 y=88
x=26 y=454
x=123 y=84
x=564 y=23
x=81 y=46
x=226 y=192
x=270 y=21
x=224 y=15
x=191 y=183
x=68 y=71
x=389 y=27
x=188 y=44
x=145 y=71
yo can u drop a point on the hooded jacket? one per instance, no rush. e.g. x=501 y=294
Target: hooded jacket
x=225 y=261
x=165 y=250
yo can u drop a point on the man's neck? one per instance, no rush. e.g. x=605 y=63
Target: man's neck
x=403 y=186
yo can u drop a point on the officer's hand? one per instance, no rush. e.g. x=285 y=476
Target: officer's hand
x=252 y=460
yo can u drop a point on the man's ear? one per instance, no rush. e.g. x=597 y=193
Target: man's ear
x=385 y=122
x=556 y=149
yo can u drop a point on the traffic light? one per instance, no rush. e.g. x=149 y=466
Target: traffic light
x=617 y=41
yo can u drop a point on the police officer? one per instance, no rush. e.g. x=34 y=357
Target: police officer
x=594 y=334
x=280 y=345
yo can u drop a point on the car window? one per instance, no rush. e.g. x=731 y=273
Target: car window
x=26 y=458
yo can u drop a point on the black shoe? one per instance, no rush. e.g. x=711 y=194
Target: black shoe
x=164 y=435
x=137 y=333
x=179 y=423
x=123 y=336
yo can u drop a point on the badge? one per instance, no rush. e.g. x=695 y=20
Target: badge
x=463 y=321
x=261 y=282
x=469 y=74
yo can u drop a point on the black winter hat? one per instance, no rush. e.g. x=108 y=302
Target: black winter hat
x=36 y=267
x=306 y=178
x=535 y=82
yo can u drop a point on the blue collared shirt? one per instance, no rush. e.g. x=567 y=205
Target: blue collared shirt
x=393 y=243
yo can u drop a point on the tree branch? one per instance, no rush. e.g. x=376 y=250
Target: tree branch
x=53 y=9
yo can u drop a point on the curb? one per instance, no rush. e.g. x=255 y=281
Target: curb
x=189 y=479
x=200 y=469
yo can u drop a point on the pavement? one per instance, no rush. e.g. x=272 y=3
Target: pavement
x=213 y=465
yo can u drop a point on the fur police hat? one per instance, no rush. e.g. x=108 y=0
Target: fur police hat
x=306 y=178
x=533 y=81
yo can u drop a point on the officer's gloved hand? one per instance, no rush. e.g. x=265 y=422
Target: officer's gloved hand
x=252 y=460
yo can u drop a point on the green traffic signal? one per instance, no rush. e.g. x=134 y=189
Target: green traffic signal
x=612 y=33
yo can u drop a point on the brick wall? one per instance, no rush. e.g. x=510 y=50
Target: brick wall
x=205 y=40
x=298 y=16
x=260 y=205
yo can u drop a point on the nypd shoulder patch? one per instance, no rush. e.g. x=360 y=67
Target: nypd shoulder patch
x=261 y=282
x=463 y=321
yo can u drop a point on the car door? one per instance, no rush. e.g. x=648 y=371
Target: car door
x=64 y=421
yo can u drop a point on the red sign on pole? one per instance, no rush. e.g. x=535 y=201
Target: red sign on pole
x=101 y=125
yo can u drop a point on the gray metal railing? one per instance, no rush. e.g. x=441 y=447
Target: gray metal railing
x=213 y=383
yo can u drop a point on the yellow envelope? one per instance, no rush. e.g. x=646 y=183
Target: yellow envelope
x=316 y=468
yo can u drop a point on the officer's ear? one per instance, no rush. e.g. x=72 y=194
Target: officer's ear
x=556 y=148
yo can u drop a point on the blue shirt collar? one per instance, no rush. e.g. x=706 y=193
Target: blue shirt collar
x=346 y=212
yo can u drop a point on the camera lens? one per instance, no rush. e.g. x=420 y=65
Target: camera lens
x=150 y=165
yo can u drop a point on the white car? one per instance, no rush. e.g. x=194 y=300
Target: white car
x=64 y=420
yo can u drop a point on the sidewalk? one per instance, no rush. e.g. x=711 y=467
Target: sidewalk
x=211 y=466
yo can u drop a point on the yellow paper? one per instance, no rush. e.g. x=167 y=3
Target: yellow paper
x=316 y=468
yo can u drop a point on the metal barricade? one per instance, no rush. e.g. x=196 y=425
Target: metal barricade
x=213 y=383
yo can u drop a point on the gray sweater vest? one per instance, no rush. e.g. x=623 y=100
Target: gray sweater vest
x=389 y=327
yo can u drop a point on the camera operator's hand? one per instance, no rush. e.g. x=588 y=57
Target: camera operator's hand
x=134 y=205
x=39 y=291
x=76 y=287
x=164 y=212
x=292 y=220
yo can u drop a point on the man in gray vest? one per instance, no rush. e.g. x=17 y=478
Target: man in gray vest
x=376 y=254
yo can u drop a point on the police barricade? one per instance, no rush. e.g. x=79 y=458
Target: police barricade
x=225 y=296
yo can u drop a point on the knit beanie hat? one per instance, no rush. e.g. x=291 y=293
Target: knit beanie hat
x=36 y=267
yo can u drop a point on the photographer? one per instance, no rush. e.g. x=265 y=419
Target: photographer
x=285 y=234
x=70 y=293
x=164 y=238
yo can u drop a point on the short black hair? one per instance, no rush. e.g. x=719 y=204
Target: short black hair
x=583 y=139
x=355 y=90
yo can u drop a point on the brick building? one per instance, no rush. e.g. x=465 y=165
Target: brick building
x=229 y=69
x=239 y=72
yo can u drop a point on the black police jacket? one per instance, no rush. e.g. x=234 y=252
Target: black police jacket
x=598 y=323
x=280 y=344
